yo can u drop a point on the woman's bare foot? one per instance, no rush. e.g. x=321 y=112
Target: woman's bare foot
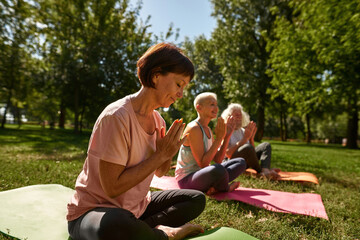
x=276 y=169
x=211 y=191
x=233 y=186
x=269 y=174
x=182 y=231
x=275 y=173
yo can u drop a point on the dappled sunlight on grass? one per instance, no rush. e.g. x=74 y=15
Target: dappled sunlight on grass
x=41 y=156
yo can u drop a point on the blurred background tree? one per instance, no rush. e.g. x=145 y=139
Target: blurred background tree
x=293 y=65
x=315 y=60
x=16 y=36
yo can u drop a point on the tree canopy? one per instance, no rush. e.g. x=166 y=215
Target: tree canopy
x=315 y=59
x=292 y=64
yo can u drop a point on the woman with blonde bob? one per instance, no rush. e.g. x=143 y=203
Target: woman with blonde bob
x=242 y=143
x=194 y=169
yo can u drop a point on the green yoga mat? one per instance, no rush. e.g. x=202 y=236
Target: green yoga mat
x=38 y=212
x=223 y=233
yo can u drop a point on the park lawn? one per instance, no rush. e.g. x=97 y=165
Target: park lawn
x=32 y=155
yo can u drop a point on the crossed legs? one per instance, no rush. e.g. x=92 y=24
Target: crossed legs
x=171 y=208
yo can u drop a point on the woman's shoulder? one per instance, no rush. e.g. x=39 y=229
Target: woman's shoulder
x=159 y=118
x=193 y=126
x=120 y=109
x=194 y=131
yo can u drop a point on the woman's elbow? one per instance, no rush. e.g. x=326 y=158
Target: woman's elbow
x=110 y=191
x=159 y=173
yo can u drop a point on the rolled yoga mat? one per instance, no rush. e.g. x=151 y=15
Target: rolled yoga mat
x=303 y=177
x=38 y=212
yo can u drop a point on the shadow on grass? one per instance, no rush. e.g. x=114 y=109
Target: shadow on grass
x=311 y=145
x=45 y=141
x=309 y=224
x=340 y=181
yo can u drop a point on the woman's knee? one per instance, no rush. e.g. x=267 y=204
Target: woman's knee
x=267 y=146
x=247 y=147
x=122 y=224
x=241 y=163
x=218 y=170
x=198 y=201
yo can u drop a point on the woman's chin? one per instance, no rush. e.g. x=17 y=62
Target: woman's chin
x=167 y=105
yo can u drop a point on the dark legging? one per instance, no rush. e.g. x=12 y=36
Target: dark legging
x=170 y=208
x=252 y=155
x=216 y=175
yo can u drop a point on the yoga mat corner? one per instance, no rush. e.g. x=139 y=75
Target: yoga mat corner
x=35 y=212
x=223 y=233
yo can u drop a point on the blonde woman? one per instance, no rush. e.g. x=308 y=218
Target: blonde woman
x=242 y=143
x=194 y=169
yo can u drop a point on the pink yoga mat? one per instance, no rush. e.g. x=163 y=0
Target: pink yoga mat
x=297 y=203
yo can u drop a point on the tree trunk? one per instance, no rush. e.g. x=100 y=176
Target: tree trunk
x=308 y=131
x=81 y=117
x=76 y=109
x=18 y=116
x=260 y=124
x=285 y=127
x=352 y=126
x=62 y=115
x=281 y=127
x=6 y=109
x=8 y=102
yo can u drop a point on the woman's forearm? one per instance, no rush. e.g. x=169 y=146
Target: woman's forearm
x=210 y=154
x=220 y=155
x=163 y=169
x=231 y=150
x=116 y=179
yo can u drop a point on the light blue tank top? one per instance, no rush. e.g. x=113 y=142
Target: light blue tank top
x=186 y=162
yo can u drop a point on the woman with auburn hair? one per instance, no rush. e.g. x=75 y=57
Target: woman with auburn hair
x=128 y=145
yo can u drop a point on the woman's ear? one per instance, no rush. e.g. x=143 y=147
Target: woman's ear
x=155 y=78
x=198 y=107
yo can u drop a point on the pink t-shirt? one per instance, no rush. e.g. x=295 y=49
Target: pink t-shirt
x=118 y=138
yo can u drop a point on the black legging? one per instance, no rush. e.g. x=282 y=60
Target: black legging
x=171 y=208
x=252 y=155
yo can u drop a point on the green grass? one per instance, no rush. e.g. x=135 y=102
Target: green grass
x=32 y=155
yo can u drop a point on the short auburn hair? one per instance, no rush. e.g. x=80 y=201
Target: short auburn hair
x=163 y=58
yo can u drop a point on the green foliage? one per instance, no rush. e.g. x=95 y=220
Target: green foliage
x=315 y=59
x=333 y=128
x=207 y=78
x=282 y=60
x=92 y=48
x=240 y=40
x=16 y=46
